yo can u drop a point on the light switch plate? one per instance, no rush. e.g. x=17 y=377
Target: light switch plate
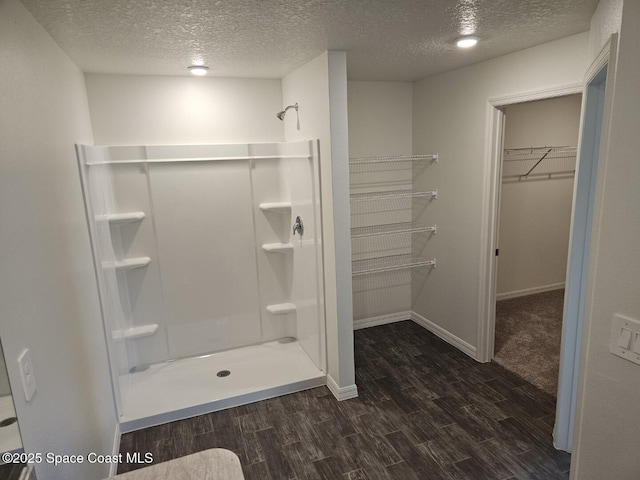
x=636 y=343
x=26 y=374
x=624 y=331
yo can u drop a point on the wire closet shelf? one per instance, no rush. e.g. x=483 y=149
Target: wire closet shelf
x=523 y=163
x=390 y=263
x=392 y=194
x=393 y=159
x=391 y=229
x=381 y=169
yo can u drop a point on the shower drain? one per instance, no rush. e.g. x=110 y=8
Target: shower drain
x=8 y=421
x=223 y=373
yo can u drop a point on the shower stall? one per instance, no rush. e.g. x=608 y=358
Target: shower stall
x=209 y=269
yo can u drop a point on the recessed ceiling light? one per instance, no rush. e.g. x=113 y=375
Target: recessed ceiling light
x=198 y=70
x=467 y=41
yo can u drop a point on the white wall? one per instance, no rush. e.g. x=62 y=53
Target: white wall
x=320 y=89
x=449 y=113
x=535 y=214
x=607 y=424
x=150 y=110
x=380 y=123
x=48 y=294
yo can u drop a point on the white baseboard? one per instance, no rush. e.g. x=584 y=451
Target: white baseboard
x=529 y=291
x=342 y=393
x=444 y=335
x=113 y=470
x=381 y=320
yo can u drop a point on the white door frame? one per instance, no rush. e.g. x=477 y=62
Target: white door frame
x=592 y=147
x=490 y=207
x=577 y=268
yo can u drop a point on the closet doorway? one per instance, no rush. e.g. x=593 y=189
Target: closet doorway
x=536 y=195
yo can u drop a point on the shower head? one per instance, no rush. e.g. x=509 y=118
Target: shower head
x=281 y=114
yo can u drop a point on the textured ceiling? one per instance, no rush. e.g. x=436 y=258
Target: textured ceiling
x=385 y=39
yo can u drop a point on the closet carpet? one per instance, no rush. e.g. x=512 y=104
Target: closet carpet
x=527 y=341
x=425 y=411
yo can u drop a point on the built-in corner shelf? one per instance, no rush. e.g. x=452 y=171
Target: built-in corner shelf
x=277 y=207
x=134 y=333
x=127 y=264
x=281 y=308
x=392 y=229
x=278 y=247
x=389 y=263
x=119 y=219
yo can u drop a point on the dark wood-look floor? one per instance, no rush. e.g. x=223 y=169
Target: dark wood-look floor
x=425 y=411
x=11 y=471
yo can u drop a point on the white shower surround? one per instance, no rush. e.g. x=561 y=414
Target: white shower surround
x=200 y=280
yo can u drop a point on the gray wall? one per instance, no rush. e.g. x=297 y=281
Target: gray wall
x=535 y=214
x=450 y=117
x=380 y=118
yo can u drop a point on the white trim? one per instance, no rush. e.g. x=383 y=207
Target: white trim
x=445 y=335
x=490 y=206
x=381 y=320
x=489 y=232
x=601 y=60
x=113 y=470
x=530 y=291
x=552 y=92
x=582 y=237
x=341 y=393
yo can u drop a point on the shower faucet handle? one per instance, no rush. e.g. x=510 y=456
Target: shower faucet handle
x=298 y=226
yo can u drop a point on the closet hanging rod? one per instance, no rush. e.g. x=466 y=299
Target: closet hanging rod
x=564 y=173
x=548 y=159
x=532 y=149
x=564 y=156
x=197 y=159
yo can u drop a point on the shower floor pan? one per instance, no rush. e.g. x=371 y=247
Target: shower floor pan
x=184 y=388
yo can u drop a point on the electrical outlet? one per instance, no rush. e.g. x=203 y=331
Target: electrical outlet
x=26 y=374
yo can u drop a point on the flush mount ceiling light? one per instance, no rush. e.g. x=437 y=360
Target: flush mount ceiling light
x=467 y=41
x=198 y=70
